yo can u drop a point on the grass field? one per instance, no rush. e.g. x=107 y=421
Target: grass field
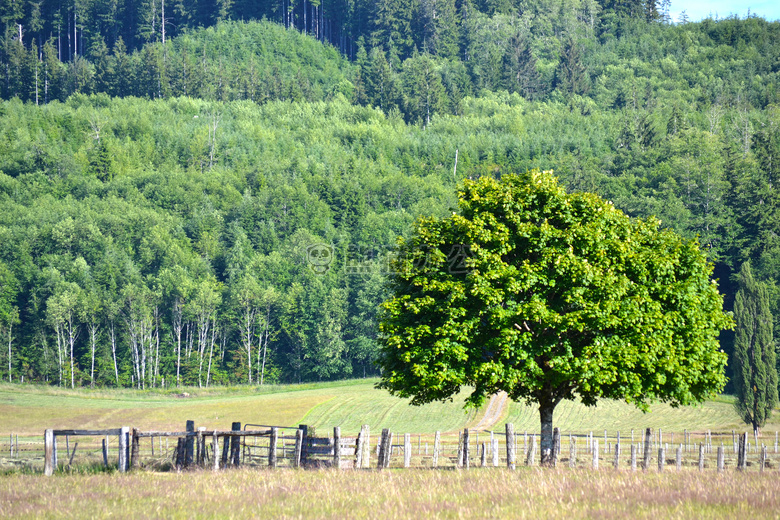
x=28 y=410
x=85 y=491
x=395 y=494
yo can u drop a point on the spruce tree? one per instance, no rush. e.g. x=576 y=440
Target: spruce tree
x=755 y=373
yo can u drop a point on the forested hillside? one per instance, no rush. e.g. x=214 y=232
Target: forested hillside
x=160 y=197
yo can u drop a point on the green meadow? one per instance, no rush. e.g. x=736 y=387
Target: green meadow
x=28 y=410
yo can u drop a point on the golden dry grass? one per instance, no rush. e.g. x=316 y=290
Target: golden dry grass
x=429 y=494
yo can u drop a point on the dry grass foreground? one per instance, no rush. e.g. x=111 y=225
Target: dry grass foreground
x=429 y=494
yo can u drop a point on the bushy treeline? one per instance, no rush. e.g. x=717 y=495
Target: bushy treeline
x=142 y=240
x=616 y=54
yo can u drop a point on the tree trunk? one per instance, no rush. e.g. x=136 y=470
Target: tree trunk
x=546 y=415
x=113 y=352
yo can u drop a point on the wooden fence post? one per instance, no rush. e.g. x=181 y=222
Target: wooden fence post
x=436 y=448
x=134 y=450
x=701 y=456
x=556 y=447
x=380 y=463
x=181 y=453
x=337 y=447
x=105 y=453
x=225 y=451
x=595 y=454
x=530 y=459
x=661 y=458
x=633 y=457
x=298 y=448
x=49 y=464
x=235 y=445
x=494 y=450
x=572 y=452
x=272 y=447
x=678 y=458
x=721 y=461
x=459 y=461
x=359 y=448
x=215 y=451
x=510 y=445
x=648 y=442
x=366 y=447
x=466 y=448
x=201 y=452
x=741 y=458
x=617 y=454
x=189 y=442
x=386 y=449
x=407 y=450
x=123 y=433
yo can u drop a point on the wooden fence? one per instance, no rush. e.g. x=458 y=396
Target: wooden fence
x=281 y=446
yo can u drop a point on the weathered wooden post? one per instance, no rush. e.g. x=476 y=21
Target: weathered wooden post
x=359 y=448
x=648 y=442
x=380 y=462
x=762 y=459
x=556 y=447
x=510 y=445
x=595 y=454
x=531 y=455
x=235 y=445
x=617 y=454
x=124 y=431
x=134 y=450
x=572 y=452
x=298 y=448
x=466 y=449
x=366 y=447
x=483 y=455
x=678 y=458
x=633 y=457
x=181 y=453
x=49 y=449
x=701 y=456
x=272 y=447
x=661 y=458
x=215 y=451
x=721 y=461
x=407 y=450
x=459 y=457
x=337 y=447
x=105 y=453
x=436 y=448
x=200 y=451
x=189 y=442
x=494 y=450
x=741 y=455
x=387 y=448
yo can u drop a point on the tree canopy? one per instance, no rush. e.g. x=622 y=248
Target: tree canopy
x=549 y=295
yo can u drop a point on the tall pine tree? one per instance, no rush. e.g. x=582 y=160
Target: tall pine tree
x=755 y=373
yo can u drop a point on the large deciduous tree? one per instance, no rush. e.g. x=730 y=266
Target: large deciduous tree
x=755 y=373
x=549 y=296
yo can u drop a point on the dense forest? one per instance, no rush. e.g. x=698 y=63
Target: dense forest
x=209 y=192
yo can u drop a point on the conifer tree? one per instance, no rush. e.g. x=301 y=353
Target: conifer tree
x=571 y=76
x=755 y=373
x=519 y=69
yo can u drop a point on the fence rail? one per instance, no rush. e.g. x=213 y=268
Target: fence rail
x=285 y=446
